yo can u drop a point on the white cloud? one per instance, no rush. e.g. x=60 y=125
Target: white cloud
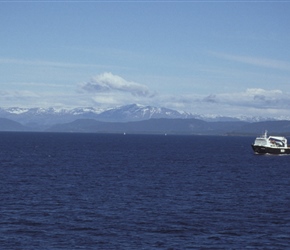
x=256 y=61
x=252 y=101
x=256 y=97
x=18 y=98
x=37 y=63
x=24 y=98
x=107 y=82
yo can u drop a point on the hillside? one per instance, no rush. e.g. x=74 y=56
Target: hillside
x=9 y=125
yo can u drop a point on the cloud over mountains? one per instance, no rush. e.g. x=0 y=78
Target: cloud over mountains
x=251 y=102
x=252 y=97
x=107 y=82
x=108 y=90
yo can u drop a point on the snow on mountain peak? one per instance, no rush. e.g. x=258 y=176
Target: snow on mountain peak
x=17 y=111
x=131 y=112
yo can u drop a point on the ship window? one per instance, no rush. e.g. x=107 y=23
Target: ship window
x=260 y=142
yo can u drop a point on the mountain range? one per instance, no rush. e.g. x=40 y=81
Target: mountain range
x=133 y=118
x=132 y=112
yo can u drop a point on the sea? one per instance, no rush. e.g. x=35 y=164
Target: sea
x=116 y=191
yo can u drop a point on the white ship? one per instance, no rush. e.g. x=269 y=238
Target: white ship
x=270 y=145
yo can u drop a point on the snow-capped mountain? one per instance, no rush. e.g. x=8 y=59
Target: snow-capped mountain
x=41 y=118
x=137 y=112
x=45 y=117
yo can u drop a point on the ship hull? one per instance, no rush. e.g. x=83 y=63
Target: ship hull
x=270 y=150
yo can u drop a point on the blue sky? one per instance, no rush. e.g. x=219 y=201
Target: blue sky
x=205 y=57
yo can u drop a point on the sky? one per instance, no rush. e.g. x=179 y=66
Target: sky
x=227 y=58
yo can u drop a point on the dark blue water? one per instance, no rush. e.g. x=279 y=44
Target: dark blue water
x=90 y=191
